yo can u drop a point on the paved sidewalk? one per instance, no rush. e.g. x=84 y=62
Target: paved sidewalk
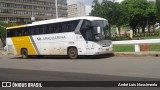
x=2 y=52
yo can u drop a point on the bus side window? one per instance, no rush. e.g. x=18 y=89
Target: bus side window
x=60 y=27
x=31 y=31
x=40 y=29
x=54 y=28
x=57 y=28
x=64 y=27
x=26 y=31
x=86 y=31
x=74 y=25
x=10 y=33
x=22 y=32
x=50 y=27
x=68 y=27
x=45 y=29
x=18 y=32
x=36 y=30
x=13 y=33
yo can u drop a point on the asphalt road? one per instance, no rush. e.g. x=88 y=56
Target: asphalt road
x=34 y=75
x=83 y=69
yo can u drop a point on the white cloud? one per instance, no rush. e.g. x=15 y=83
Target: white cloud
x=119 y=0
x=88 y=9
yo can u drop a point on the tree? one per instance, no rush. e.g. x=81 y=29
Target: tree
x=107 y=9
x=113 y=12
x=103 y=9
x=95 y=8
x=151 y=13
x=120 y=16
x=3 y=31
x=158 y=10
x=137 y=13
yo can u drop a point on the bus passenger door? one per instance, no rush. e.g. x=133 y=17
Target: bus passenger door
x=89 y=43
x=87 y=33
x=89 y=48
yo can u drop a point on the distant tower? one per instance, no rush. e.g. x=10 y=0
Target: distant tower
x=75 y=10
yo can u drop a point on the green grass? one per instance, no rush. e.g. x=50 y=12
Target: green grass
x=123 y=48
x=152 y=37
x=130 y=48
x=155 y=48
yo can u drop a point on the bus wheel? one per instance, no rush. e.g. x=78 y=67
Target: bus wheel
x=24 y=53
x=72 y=53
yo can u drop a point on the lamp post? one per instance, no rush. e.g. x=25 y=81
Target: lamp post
x=32 y=17
x=56 y=8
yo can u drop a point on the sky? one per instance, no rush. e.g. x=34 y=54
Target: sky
x=88 y=4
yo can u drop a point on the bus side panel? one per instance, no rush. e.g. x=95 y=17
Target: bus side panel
x=23 y=42
x=81 y=46
x=10 y=47
x=57 y=48
x=54 y=44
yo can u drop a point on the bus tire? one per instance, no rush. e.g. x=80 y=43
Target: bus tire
x=24 y=53
x=72 y=53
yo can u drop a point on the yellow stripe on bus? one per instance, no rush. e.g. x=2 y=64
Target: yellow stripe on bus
x=13 y=27
x=23 y=42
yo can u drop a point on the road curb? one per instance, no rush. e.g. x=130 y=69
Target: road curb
x=155 y=54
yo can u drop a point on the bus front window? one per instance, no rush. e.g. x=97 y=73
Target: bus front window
x=95 y=30
x=101 y=30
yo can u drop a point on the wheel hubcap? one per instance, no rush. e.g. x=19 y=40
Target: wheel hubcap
x=72 y=53
x=24 y=54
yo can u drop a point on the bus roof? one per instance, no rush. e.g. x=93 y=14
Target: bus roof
x=13 y=27
x=91 y=18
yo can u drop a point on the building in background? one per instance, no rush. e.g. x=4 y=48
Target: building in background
x=75 y=10
x=21 y=11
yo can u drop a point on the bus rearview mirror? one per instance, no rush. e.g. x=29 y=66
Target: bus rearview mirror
x=98 y=30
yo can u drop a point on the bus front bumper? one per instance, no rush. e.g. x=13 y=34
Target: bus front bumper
x=104 y=51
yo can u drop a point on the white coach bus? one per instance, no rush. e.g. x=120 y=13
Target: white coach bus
x=65 y=36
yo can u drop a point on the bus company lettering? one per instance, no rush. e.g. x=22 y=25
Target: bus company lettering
x=51 y=38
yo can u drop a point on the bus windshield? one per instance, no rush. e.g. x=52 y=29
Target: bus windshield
x=104 y=32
